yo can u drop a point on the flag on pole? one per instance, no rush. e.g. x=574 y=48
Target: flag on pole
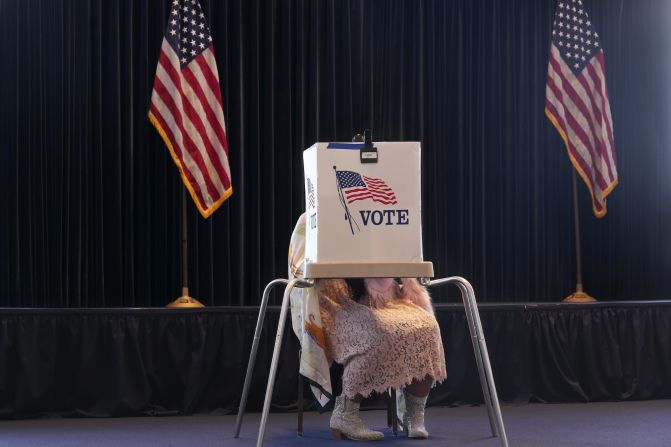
x=360 y=187
x=186 y=106
x=576 y=100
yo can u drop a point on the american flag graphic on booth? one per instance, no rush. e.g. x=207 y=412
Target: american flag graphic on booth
x=356 y=187
x=311 y=195
x=186 y=106
x=576 y=100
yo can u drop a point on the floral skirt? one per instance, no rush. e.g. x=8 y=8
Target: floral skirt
x=379 y=347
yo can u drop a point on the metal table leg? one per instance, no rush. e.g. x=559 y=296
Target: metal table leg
x=276 y=352
x=481 y=353
x=275 y=360
x=252 y=355
x=476 y=336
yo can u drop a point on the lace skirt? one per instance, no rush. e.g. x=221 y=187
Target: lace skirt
x=379 y=347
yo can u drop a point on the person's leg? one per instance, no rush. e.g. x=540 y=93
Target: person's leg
x=420 y=388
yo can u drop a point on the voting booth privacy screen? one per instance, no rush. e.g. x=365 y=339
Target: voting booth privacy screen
x=364 y=219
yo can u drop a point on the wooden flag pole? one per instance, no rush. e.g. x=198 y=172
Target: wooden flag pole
x=578 y=296
x=185 y=300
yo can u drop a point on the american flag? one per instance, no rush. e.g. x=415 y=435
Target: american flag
x=576 y=100
x=311 y=194
x=357 y=187
x=186 y=106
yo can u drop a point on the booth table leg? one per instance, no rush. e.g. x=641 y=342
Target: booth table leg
x=481 y=354
x=252 y=355
x=275 y=360
x=471 y=314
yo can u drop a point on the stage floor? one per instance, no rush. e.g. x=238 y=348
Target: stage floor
x=610 y=424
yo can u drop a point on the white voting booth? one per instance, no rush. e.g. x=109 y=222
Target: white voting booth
x=364 y=219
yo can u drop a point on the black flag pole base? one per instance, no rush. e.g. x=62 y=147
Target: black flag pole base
x=578 y=296
x=185 y=300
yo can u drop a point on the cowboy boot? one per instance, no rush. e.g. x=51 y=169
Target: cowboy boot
x=413 y=420
x=346 y=423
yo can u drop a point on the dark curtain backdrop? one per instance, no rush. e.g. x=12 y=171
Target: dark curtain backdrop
x=90 y=197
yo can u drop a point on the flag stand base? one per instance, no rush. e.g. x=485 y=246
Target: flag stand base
x=578 y=296
x=185 y=300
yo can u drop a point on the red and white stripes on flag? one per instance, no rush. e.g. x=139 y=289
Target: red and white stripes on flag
x=186 y=106
x=576 y=100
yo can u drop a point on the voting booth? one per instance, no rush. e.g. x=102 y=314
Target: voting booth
x=364 y=219
x=363 y=210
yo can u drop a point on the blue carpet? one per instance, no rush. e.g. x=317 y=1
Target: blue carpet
x=612 y=424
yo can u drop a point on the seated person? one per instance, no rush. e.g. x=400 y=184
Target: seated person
x=385 y=335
